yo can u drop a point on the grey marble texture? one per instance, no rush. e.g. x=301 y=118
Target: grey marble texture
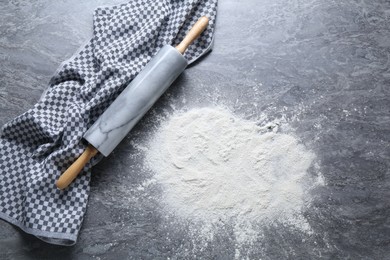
x=137 y=98
x=320 y=67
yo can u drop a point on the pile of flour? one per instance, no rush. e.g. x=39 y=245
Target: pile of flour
x=214 y=166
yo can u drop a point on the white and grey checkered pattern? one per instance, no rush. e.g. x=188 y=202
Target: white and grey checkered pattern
x=37 y=146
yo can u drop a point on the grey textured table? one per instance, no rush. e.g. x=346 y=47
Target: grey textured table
x=323 y=66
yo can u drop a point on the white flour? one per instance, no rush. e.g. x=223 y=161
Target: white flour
x=215 y=167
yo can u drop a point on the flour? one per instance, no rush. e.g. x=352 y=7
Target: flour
x=215 y=168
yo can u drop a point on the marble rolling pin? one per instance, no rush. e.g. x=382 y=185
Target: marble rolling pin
x=137 y=98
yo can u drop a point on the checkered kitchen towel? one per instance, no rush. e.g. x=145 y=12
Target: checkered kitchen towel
x=37 y=146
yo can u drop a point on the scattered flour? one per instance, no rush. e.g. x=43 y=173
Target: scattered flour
x=215 y=167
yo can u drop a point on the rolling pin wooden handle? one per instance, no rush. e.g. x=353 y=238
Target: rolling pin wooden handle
x=71 y=173
x=194 y=33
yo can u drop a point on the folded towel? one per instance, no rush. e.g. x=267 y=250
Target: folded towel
x=37 y=146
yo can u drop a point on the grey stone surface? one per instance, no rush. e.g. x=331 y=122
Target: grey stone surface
x=321 y=67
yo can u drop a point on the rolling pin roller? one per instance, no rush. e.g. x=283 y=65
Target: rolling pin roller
x=137 y=98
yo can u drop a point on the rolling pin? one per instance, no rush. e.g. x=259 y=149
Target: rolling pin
x=134 y=101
